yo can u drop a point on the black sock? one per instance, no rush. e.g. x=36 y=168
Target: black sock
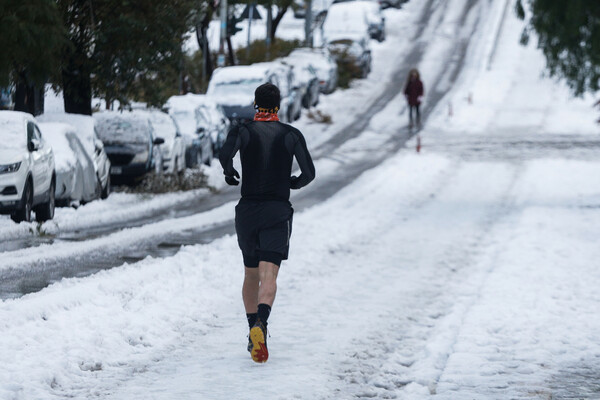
x=263 y=312
x=251 y=319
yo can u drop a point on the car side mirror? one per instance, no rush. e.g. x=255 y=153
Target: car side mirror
x=158 y=141
x=33 y=145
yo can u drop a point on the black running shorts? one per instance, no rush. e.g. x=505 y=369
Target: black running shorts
x=263 y=231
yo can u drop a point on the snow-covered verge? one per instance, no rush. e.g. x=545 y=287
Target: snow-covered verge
x=118 y=207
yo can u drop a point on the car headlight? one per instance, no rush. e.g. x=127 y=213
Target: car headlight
x=140 y=157
x=8 y=168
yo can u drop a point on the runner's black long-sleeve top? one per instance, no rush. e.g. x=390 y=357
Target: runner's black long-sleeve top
x=267 y=150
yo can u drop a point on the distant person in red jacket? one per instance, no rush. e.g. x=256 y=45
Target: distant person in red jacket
x=414 y=94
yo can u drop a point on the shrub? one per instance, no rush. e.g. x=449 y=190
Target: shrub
x=257 y=52
x=347 y=68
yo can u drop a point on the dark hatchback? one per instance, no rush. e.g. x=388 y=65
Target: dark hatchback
x=130 y=144
x=239 y=114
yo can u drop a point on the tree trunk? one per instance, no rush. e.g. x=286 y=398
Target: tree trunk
x=28 y=97
x=280 y=13
x=204 y=47
x=77 y=88
x=230 y=51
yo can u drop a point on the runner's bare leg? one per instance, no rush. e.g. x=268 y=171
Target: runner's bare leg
x=268 y=282
x=250 y=289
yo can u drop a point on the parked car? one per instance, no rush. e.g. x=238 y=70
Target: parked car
x=130 y=143
x=291 y=95
x=85 y=129
x=194 y=128
x=233 y=88
x=305 y=78
x=352 y=48
x=27 y=177
x=318 y=8
x=219 y=123
x=76 y=179
x=355 y=17
x=391 y=3
x=173 y=150
x=375 y=19
x=321 y=60
x=212 y=114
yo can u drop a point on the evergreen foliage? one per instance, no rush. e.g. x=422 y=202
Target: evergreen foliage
x=123 y=49
x=31 y=36
x=569 y=36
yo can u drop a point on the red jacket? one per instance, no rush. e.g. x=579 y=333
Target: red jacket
x=413 y=90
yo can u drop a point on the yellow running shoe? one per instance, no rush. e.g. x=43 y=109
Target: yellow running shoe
x=258 y=337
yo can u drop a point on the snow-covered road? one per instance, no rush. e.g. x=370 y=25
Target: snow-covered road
x=467 y=271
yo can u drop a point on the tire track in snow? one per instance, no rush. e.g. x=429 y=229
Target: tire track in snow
x=407 y=353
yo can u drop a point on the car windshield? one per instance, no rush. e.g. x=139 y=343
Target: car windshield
x=186 y=121
x=238 y=86
x=119 y=130
x=12 y=134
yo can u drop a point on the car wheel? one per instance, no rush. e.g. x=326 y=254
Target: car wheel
x=98 y=188
x=158 y=166
x=180 y=171
x=24 y=213
x=106 y=190
x=45 y=211
x=208 y=161
x=198 y=158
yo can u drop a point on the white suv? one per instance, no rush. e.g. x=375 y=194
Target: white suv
x=27 y=178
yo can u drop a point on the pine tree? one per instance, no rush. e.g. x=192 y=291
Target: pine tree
x=569 y=36
x=31 y=39
x=120 y=49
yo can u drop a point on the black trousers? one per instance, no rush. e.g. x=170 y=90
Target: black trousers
x=417 y=112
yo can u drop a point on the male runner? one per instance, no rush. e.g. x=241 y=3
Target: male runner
x=263 y=217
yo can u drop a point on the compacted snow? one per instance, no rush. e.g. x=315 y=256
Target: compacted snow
x=466 y=271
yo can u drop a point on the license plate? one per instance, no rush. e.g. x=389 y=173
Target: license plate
x=116 y=170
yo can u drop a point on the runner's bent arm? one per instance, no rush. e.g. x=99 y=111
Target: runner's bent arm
x=305 y=162
x=230 y=147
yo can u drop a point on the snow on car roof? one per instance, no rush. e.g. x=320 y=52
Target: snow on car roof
x=83 y=126
x=345 y=17
x=12 y=129
x=123 y=128
x=317 y=57
x=239 y=72
x=55 y=134
x=190 y=101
